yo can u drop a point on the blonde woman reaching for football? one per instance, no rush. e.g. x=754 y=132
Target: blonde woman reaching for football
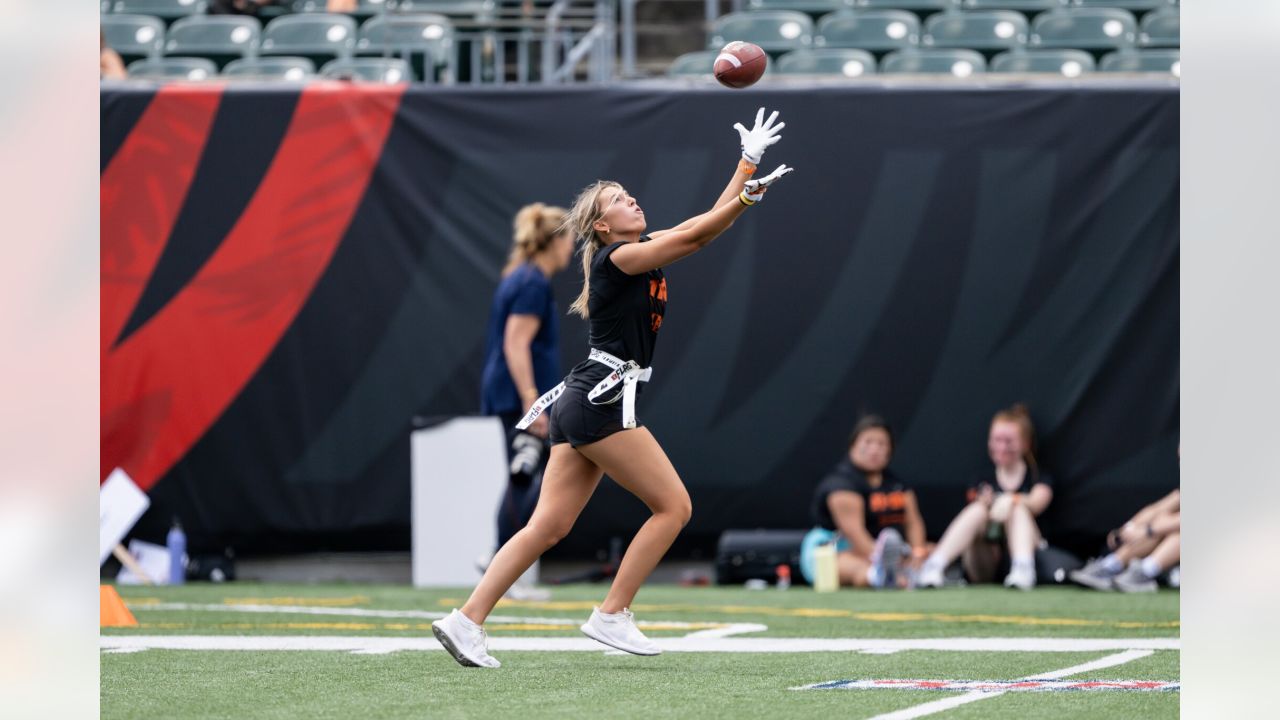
x=593 y=427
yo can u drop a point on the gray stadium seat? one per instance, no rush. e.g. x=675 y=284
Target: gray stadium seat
x=414 y=33
x=174 y=68
x=1026 y=6
x=1143 y=61
x=134 y=36
x=838 y=62
x=167 y=9
x=694 y=63
x=1085 y=28
x=1138 y=5
x=221 y=37
x=270 y=68
x=869 y=30
x=960 y=63
x=379 y=70
x=1068 y=63
x=318 y=35
x=807 y=6
x=979 y=30
x=772 y=30
x=1161 y=28
x=917 y=5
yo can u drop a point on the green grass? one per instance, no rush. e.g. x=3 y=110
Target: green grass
x=289 y=684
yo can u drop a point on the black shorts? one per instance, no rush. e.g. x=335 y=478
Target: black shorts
x=575 y=420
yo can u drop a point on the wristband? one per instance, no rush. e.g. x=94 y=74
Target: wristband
x=742 y=198
x=746 y=167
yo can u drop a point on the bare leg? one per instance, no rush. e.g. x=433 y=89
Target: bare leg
x=635 y=461
x=961 y=533
x=853 y=568
x=1134 y=550
x=1169 y=551
x=567 y=484
x=1022 y=532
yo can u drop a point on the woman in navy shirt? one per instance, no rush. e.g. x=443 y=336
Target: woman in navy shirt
x=522 y=350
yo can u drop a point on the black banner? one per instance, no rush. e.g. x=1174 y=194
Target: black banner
x=939 y=253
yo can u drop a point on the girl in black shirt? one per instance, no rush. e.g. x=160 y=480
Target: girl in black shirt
x=593 y=428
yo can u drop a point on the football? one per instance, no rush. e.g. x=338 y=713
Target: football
x=740 y=64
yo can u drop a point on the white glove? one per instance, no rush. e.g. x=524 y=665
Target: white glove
x=755 y=140
x=753 y=190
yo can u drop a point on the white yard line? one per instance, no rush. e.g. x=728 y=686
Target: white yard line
x=944 y=704
x=357 y=643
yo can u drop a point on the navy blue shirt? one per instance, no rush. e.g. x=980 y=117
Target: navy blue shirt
x=526 y=291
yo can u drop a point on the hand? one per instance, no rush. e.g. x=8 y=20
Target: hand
x=755 y=140
x=1000 y=507
x=754 y=189
x=986 y=495
x=540 y=427
x=1133 y=532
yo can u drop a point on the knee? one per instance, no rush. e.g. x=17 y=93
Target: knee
x=681 y=512
x=976 y=509
x=549 y=533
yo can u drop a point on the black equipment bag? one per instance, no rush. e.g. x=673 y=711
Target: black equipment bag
x=743 y=555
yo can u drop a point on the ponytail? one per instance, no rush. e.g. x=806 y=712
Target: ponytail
x=534 y=228
x=581 y=221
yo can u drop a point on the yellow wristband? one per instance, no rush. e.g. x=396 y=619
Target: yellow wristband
x=745 y=167
x=742 y=197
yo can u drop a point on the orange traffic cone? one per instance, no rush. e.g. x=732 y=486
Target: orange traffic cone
x=111 y=609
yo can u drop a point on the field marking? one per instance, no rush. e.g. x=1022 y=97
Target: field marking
x=697 y=629
x=1001 y=685
x=1029 y=620
x=380 y=645
x=937 y=706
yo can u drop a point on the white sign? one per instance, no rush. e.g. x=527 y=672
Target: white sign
x=120 y=504
x=154 y=561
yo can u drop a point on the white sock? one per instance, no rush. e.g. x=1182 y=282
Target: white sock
x=933 y=562
x=1023 y=562
x=1150 y=567
x=466 y=620
x=1112 y=564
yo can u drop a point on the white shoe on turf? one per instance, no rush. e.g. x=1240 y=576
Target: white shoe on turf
x=619 y=631
x=1023 y=578
x=465 y=641
x=930 y=577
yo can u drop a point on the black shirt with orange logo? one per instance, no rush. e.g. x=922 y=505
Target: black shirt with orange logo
x=884 y=506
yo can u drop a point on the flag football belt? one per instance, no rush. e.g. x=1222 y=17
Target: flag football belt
x=627 y=372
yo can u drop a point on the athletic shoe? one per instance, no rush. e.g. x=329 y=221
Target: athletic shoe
x=930 y=577
x=1023 y=578
x=1134 y=580
x=465 y=641
x=886 y=559
x=1093 y=575
x=1173 y=578
x=619 y=631
x=483 y=561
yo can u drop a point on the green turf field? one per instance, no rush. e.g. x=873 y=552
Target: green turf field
x=380 y=660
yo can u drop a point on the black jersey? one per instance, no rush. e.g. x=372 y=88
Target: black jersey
x=884 y=506
x=625 y=312
x=1031 y=479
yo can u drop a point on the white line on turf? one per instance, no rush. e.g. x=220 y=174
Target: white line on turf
x=351 y=643
x=937 y=706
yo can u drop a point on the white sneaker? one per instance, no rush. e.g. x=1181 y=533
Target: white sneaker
x=1023 y=578
x=930 y=577
x=619 y=631
x=465 y=641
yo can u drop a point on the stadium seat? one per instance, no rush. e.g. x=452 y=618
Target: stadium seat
x=1161 y=28
x=1085 y=28
x=221 y=38
x=1138 y=5
x=408 y=34
x=319 y=35
x=167 y=9
x=841 y=62
x=380 y=70
x=694 y=63
x=961 y=63
x=917 y=5
x=980 y=30
x=174 y=68
x=807 y=6
x=869 y=30
x=1143 y=61
x=1068 y=63
x=772 y=30
x=1025 y=6
x=134 y=36
x=270 y=68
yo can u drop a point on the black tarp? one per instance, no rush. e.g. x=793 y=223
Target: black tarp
x=940 y=252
